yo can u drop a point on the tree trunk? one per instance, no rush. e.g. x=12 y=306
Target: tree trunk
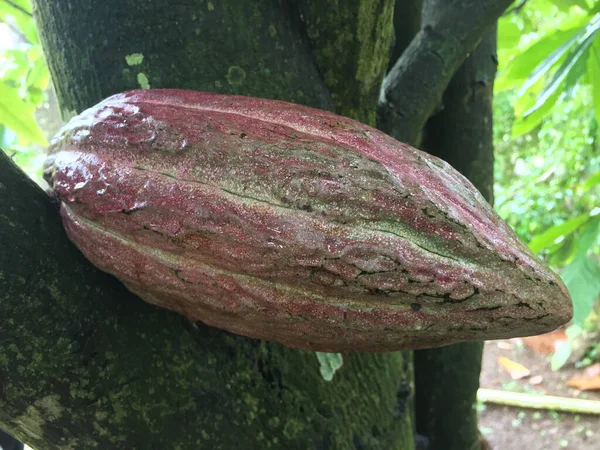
x=86 y=364
x=447 y=378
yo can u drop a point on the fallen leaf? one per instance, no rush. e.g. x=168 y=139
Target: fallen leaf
x=514 y=369
x=545 y=343
x=536 y=380
x=589 y=380
x=505 y=345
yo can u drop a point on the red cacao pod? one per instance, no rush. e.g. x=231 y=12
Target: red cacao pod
x=287 y=223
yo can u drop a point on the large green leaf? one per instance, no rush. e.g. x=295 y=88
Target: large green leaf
x=509 y=33
x=582 y=278
x=565 y=5
x=593 y=180
x=593 y=67
x=528 y=60
x=573 y=59
x=550 y=61
x=582 y=275
x=18 y=116
x=550 y=236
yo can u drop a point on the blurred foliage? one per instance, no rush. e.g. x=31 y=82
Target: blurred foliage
x=24 y=78
x=547 y=110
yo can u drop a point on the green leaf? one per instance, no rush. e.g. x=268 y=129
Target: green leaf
x=566 y=5
x=18 y=116
x=329 y=364
x=578 y=51
x=563 y=252
x=588 y=236
x=526 y=123
x=20 y=12
x=550 y=61
x=593 y=66
x=550 y=236
x=509 y=33
x=582 y=278
x=528 y=60
x=561 y=355
x=593 y=180
x=38 y=75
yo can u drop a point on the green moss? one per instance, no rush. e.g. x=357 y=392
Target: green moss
x=236 y=75
x=351 y=42
x=134 y=59
x=143 y=80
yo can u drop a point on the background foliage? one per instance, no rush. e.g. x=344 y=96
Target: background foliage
x=547 y=111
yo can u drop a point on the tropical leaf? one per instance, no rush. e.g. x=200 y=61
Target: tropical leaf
x=593 y=67
x=593 y=180
x=18 y=116
x=550 y=61
x=558 y=41
x=582 y=278
x=577 y=51
x=567 y=75
x=509 y=33
x=582 y=275
x=550 y=236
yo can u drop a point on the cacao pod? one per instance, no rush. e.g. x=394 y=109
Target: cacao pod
x=287 y=223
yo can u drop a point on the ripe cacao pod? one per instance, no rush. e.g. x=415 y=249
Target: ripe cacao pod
x=287 y=223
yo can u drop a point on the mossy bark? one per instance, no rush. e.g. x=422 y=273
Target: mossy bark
x=84 y=363
x=447 y=378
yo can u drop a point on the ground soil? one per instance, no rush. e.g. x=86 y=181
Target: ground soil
x=514 y=428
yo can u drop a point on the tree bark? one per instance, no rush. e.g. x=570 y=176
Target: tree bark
x=413 y=88
x=447 y=378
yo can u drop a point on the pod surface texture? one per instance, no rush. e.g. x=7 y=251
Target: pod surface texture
x=286 y=223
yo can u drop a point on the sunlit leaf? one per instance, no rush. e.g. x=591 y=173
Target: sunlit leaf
x=550 y=61
x=16 y=65
x=527 y=122
x=509 y=33
x=20 y=12
x=565 y=5
x=593 y=66
x=550 y=236
x=39 y=76
x=18 y=116
x=527 y=61
x=592 y=181
x=578 y=51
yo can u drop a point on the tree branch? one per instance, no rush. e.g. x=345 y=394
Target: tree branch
x=407 y=23
x=413 y=89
